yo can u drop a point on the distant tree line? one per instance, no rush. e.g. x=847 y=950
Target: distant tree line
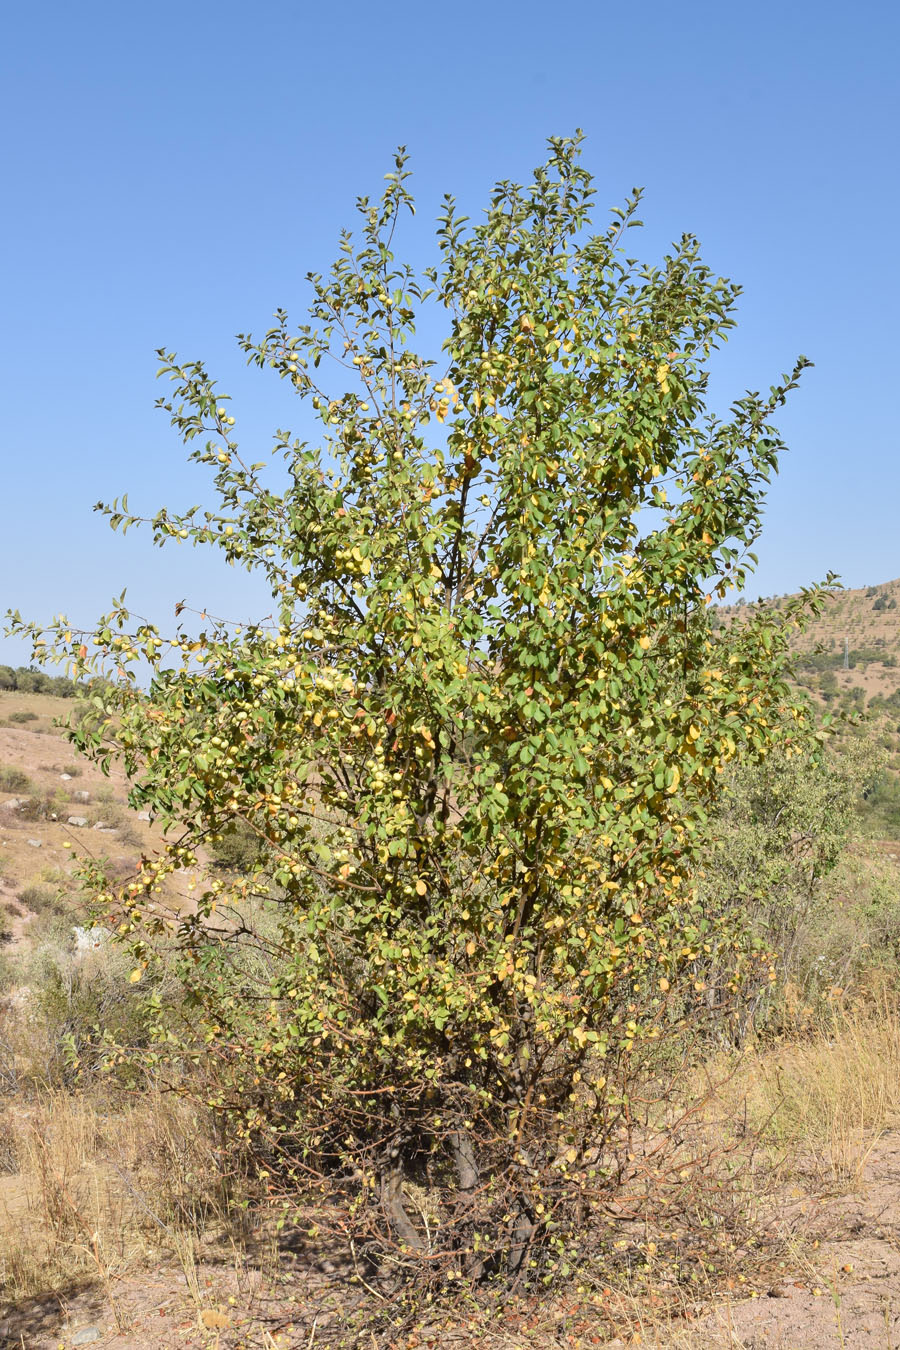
x=834 y=660
x=28 y=680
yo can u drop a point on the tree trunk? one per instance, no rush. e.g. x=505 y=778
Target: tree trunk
x=392 y=1200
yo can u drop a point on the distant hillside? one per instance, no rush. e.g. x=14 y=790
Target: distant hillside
x=849 y=661
x=852 y=652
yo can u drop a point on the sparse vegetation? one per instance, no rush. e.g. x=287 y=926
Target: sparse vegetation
x=20 y=718
x=41 y=898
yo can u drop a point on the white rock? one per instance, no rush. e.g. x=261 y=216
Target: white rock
x=78 y=821
x=143 y=815
x=81 y=796
x=89 y=939
x=65 y=778
x=35 y=843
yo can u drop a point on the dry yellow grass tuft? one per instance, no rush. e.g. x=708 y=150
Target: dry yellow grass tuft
x=828 y=1096
x=91 y=1191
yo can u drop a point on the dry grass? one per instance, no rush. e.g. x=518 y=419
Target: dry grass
x=829 y=1096
x=90 y=1192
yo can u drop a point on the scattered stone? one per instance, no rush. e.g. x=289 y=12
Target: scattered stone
x=65 y=778
x=143 y=815
x=78 y=821
x=12 y=804
x=86 y=1336
x=102 y=825
x=35 y=843
x=81 y=796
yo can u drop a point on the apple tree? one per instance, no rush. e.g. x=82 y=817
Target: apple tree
x=479 y=741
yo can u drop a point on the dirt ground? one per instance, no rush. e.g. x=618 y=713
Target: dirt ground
x=842 y=1292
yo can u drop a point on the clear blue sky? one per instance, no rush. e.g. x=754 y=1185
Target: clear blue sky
x=171 y=171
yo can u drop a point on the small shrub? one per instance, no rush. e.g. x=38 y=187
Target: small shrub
x=782 y=832
x=79 y=1003
x=42 y=806
x=43 y=899
x=23 y=716
x=238 y=848
x=14 y=779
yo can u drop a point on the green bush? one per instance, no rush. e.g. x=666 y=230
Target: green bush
x=82 y=1005
x=238 y=847
x=782 y=831
x=45 y=805
x=880 y=809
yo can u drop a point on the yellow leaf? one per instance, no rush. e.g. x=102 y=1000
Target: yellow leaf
x=644 y=643
x=135 y=976
x=421 y=888
x=676 y=779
